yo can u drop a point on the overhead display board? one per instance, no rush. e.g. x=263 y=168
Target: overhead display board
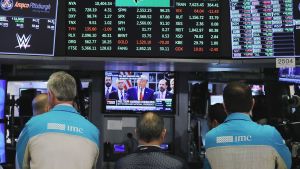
x=27 y=27
x=265 y=28
x=143 y=28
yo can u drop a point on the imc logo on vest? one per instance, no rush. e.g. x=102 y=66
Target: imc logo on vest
x=231 y=139
x=64 y=127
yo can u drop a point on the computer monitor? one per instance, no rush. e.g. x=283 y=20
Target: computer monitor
x=289 y=75
x=119 y=148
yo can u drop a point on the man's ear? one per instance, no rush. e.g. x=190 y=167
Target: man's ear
x=214 y=123
x=163 y=133
x=225 y=108
x=51 y=99
x=253 y=103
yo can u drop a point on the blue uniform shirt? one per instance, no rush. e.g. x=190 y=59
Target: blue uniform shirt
x=241 y=143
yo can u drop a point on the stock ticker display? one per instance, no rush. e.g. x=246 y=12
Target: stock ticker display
x=265 y=28
x=27 y=27
x=139 y=28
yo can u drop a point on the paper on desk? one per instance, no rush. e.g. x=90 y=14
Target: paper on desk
x=114 y=124
x=129 y=121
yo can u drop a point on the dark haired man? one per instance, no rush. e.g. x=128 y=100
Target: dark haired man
x=216 y=115
x=151 y=133
x=241 y=143
x=108 y=87
x=163 y=93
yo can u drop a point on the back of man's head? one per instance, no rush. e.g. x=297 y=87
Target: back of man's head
x=217 y=112
x=63 y=86
x=150 y=127
x=237 y=97
x=40 y=104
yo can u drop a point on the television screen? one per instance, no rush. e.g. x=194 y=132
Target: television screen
x=164 y=147
x=144 y=28
x=28 y=27
x=216 y=99
x=139 y=91
x=2 y=143
x=119 y=148
x=290 y=75
x=2 y=97
x=265 y=29
x=257 y=90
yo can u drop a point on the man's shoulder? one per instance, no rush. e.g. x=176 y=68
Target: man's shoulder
x=151 y=158
x=115 y=92
x=149 y=89
x=131 y=89
x=57 y=117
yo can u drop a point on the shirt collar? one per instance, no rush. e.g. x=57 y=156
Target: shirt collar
x=64 y=104
x=152 y=148
x=65 y=107
x=238 y=116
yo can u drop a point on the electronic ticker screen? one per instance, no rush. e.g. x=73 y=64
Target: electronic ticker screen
x=27 y=27
x=139 y=28
x=265 y=28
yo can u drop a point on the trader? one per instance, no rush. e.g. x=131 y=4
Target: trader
x=40 y=104
x=216 y=115
x=60 y=138
x=151 y=133
x=241 y=143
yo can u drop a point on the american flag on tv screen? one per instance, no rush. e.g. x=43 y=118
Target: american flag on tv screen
x=127 y=83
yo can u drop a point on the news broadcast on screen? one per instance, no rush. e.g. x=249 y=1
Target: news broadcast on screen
x=139 y=91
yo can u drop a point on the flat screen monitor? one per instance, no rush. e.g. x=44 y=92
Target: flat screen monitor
x=139 y=92
x=257 y=89
x=119 y=148
x=216 y=99
x=290 y=75
x=265 y=29
x=28 y=27
x=165 y=147
x=144 y=28
x=2 y=97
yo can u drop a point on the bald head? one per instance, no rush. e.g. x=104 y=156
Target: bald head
x=150 y=127
x=40 y=104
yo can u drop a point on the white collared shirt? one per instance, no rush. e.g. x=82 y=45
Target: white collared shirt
x=162 y=95
x=139 y=91
x=120 y=92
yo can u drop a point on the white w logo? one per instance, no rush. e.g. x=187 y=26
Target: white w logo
x=23 y=41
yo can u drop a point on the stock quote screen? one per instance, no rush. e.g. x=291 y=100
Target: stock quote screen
x=139 y=28
x=265 y=28
x=27 y=27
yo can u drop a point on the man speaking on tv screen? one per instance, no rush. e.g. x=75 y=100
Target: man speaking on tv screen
x=141 y=92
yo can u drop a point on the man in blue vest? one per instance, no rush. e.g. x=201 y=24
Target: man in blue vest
x=240 y=143
x=60 y=138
